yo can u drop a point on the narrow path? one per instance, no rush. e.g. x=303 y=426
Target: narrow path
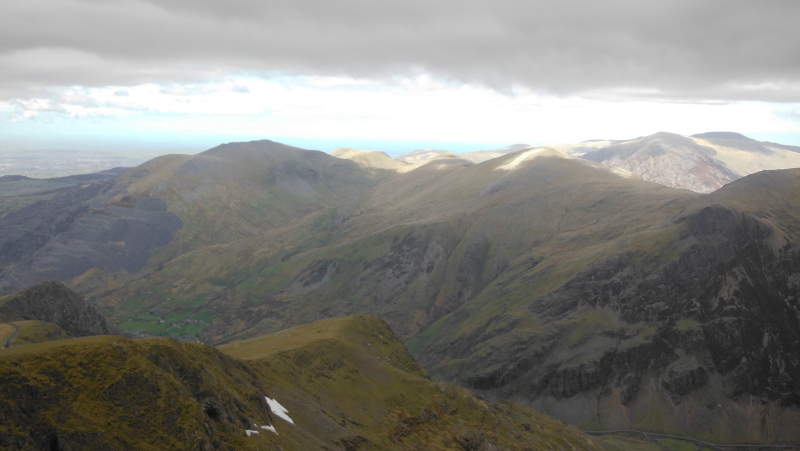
x=649 y=435
x=11 y=337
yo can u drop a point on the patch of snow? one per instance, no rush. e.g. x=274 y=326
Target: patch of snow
x=278 y=409
x=270 y=427
x=249 y=432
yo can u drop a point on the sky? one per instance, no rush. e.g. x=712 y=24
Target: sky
x=161 y=75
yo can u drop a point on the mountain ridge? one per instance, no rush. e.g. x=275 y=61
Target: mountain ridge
x=353 y=389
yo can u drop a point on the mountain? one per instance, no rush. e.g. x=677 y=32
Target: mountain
x=581 y=148
x=701 y=163
x=554 y=281
x=227 y=193
x=53 y=302
x=687 y=326
x=340 y=384
x=485 y=155
x=419 y=157
x=746 y=156
x=668 y=159
x=378 y=164
x=423 y=156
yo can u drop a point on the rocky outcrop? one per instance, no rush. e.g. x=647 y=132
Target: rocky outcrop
x=682 y=382
x=53 y=302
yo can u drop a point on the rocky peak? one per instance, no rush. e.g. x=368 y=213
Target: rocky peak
x=54 y=302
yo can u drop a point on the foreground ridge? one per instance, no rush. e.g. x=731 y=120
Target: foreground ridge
x=338 y=384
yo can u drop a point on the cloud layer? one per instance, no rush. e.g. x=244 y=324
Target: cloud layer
x=677 y=49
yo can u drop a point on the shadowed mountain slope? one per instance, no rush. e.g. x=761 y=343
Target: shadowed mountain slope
x=686 y=327
x=342 y=384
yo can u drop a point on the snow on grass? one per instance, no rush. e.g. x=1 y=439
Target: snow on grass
x=271 y=428
x=249 y=432
x=278 y=409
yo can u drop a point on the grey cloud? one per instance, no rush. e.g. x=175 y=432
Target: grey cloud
x=713 y=49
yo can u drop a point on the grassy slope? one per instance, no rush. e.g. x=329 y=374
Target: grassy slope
x=347 y=384
x=443 y=205
x=36 y=332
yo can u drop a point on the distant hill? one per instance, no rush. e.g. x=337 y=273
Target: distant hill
x=668 y=159
x=722 y=135
x=701 y=163
x=423 y=156
x=485 y=155
x=378 y=164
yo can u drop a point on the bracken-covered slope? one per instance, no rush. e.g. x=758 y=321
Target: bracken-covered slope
x=342 y=384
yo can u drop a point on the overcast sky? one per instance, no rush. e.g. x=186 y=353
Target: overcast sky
x=464 y=74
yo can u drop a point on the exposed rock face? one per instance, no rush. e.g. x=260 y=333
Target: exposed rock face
x=670 y=160
x=683 y=382
x=727 y=278
x=77 y=230
x=53 y=302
